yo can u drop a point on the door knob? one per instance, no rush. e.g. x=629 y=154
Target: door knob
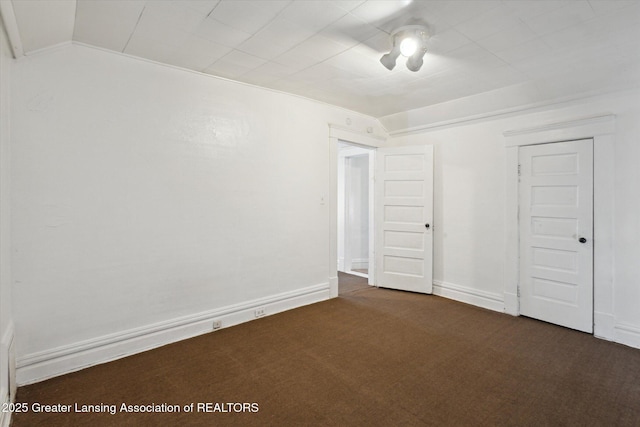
x=427 y=226
x=582 y=240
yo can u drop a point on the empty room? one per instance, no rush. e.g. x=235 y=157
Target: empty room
x=319 y=212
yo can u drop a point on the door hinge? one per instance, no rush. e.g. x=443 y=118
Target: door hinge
x=519 y=170
x=518 y=292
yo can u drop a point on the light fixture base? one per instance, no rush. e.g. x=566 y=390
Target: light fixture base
x=421 y=30
x=410 y=42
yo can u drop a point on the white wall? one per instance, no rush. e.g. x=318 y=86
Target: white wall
x=358 y=214
x=469 y=203
x=145 y=195
x=6 y=325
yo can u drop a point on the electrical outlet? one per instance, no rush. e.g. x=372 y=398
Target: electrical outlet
x=259 y=312
x=217 y=324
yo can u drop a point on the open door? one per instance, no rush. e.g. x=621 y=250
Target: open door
x=404 y=212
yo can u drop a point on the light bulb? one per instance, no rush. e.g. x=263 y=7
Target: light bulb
x=408 y=46
x=414 y=63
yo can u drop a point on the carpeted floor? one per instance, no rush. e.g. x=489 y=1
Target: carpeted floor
x=372 y=357
x=349 y=283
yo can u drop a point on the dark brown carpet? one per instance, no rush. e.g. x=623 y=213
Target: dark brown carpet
x=373 y=357
x=350 y=283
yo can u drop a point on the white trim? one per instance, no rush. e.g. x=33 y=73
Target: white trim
x=600 y=128
x=489 y=300
x=354 y=137
x=356 y=273
x=501 y=113
x=333 y=215
x=58 y=361
x=372 y=218
x=581 y=128
x=627 y=334
x=7 y=388
x=352 y=151
x=511 y=304
x=337 y=134
x=603 y=325
x=511 y=271
x=5 y=417
x=47 y=50
x=11 y=26
x=333 y=286
x=359 y=263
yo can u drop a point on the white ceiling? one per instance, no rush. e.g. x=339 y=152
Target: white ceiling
x=330 y=50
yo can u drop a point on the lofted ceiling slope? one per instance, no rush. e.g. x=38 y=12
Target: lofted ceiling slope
x=330 y=50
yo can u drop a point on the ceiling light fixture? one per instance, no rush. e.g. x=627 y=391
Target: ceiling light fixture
x=409 y=41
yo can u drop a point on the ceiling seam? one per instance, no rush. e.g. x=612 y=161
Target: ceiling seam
x=214 y=8
x=134 y=29
x=292 y=47
x=252 y=36
x=75 y=21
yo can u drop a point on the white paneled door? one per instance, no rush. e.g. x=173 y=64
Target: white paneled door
x=404 y=209
x=556 y=233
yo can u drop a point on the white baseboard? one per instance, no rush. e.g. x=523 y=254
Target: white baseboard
x=627 y=334
x=359 y=263
x=511 y=304
x=333 y=286
x=604 y=325
x=62 y=360
x=5 y=417
x=488 y=300
x=7 y=376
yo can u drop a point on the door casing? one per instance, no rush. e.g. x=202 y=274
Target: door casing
x=601 y=128
x=337 y=134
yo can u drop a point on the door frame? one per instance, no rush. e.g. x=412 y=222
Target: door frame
x=336 y=134
x=601 y=129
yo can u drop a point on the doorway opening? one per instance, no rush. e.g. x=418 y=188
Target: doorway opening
x=355 y=209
